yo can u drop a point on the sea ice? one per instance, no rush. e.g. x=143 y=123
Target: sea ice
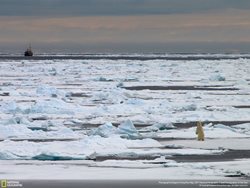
x=217 y=77
x=28 y=101
x=159 y=126
x=9 y=107
x=53 y=106
x=14 y=130
x=46 y=90
x=216 y=131
x=83 y=148
x=128 y=130
x=244 y=128
x=125 y=130
x=104 y=130
x=113 y=95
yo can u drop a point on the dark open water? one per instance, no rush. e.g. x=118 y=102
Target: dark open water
x=127 y=56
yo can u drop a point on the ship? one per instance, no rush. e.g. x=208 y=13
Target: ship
x=28 y=52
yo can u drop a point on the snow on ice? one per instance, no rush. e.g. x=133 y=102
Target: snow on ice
x=82 y=100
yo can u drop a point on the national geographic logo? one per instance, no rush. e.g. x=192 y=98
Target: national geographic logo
x=10 y=183
x=3 y=183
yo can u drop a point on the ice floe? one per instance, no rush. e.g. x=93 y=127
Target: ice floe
x=211 y=131
x=46 y=90
x=217 y=77
x=158 y=127
x=81 y=149
x=37 y=102
x=52 y=106
x=105 y=130
x=128 y=130
x=125 y=130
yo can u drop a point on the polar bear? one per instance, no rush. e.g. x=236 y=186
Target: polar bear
x=200 y=131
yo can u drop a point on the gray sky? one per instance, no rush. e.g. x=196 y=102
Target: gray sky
x=125 y=25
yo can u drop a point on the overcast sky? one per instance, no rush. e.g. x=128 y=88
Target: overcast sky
x=125 y=25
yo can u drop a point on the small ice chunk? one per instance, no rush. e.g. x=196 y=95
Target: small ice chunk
x=243 y=127
x=102 y=79
x=217 y=77
x=47 y=90
x=120 y=84
x=52 y=71
x=160 y=126
x=17 y=120
x=189 y=107
x=112 y=96
x=221 y=126
x=185 y=107
x=128 y=130
x=104 y=130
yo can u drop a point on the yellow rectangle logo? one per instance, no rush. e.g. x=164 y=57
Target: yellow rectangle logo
x=3 y=183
